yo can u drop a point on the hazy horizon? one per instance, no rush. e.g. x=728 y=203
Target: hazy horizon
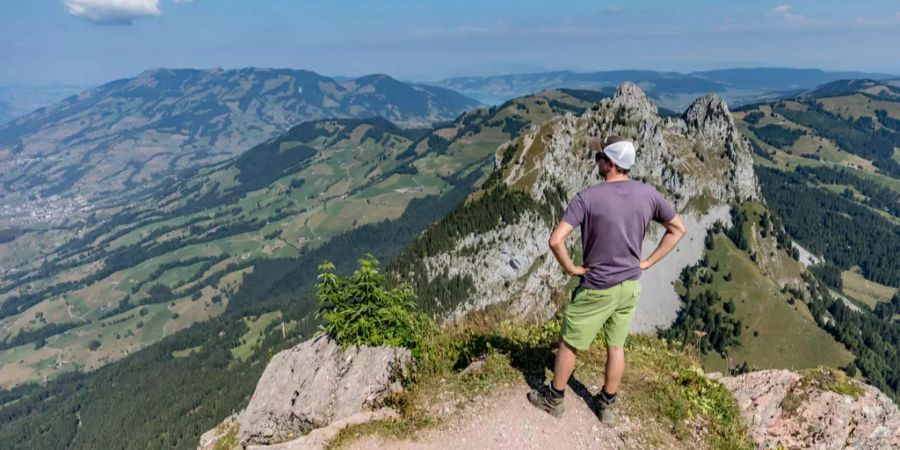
x=89 y=42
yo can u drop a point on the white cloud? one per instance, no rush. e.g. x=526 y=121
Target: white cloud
x=783 y=12
x=113 y=12
x=785 y=16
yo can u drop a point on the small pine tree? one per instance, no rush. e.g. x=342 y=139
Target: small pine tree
x=361 y=310
x=729 y=306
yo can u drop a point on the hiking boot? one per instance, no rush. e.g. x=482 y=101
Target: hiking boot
x=544 y=398
x=605 y=408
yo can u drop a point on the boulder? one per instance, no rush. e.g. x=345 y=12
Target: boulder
x=316 y=383
x=793 y=410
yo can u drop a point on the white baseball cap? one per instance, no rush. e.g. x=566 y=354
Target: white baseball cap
x=621 y=153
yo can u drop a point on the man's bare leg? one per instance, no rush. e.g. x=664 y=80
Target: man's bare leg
x=615 y=367
x=565 y=365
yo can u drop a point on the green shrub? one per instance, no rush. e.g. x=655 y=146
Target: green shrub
x=362 y=310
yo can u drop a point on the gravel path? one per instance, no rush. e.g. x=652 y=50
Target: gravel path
x=507 y=420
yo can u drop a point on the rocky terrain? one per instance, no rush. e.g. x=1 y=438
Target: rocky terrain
x=815 y=409
x=313 y=385
x=678 y=155
x=308 y=394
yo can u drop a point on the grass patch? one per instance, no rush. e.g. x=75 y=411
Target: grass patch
x=186 y=352
x=819 y=379
x=229 y=440
x=254 y=334
x=827 y=379
x=868 y=292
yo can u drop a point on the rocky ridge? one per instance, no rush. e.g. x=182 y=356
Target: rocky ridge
x=700 y=161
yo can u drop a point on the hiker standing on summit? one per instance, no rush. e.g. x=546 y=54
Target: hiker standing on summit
x=613 y=217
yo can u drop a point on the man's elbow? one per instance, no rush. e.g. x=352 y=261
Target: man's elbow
x=555 y=241
x=676 y=227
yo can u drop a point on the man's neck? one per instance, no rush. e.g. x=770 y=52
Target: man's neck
x=613 y=177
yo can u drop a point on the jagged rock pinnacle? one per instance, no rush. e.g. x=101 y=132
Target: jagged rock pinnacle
x=631 y=96
x=709 y=113
x=711 y=121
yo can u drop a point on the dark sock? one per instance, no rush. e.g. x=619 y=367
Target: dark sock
x=607 y=397
x=557 y=393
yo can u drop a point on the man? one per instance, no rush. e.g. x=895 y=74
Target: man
x=613 y=217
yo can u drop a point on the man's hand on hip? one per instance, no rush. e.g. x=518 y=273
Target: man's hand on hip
x=578 y=271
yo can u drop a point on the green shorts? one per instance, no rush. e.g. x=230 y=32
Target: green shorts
x=592 y=310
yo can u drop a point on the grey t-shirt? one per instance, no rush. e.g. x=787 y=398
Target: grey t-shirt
x=613 y=217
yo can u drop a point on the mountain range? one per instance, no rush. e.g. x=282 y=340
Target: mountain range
x=671 y=90
x=128 y=133
x=177 y=251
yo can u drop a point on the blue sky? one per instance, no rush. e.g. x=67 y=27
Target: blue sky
x=94 y=41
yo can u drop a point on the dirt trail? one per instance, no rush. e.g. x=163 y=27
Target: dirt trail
x=507 y=420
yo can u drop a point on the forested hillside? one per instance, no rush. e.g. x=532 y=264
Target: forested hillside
x=828 y=164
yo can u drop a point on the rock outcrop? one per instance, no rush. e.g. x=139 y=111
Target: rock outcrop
x=312 y=385
x=795 y=410
x=699 y=161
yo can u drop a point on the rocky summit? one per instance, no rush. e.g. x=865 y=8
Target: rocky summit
x=699 y=161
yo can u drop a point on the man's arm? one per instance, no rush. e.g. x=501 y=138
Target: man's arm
x=674 y=232
x=558 y=247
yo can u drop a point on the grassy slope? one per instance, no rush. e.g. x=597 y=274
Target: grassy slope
x=868 y=292
x=256 y=326
x=776 y=334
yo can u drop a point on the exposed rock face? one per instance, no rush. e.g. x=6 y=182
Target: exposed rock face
x=318 y=439
x=698 y=161
x=216 y=437
x=784 y=407
x=316 y=383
